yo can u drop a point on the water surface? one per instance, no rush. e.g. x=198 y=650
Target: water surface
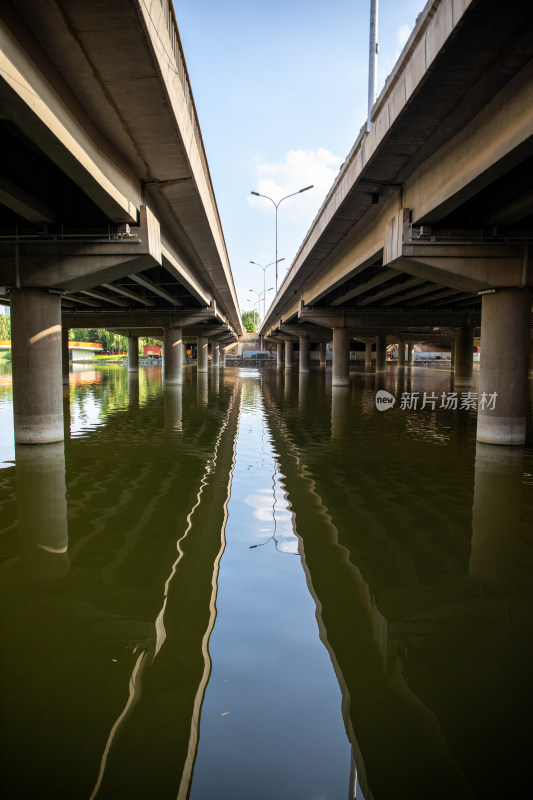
x=254 y=586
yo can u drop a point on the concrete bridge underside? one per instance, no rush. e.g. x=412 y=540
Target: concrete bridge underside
x=107 y=201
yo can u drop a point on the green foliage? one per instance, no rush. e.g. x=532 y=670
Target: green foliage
x=5 y=327
x=110 y=342
x=250 y=321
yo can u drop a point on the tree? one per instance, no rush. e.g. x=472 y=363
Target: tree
x=250 y=321
x=5 y=327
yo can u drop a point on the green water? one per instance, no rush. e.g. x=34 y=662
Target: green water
x=253 y=586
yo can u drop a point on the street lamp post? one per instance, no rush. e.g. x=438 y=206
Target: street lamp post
x=264 y=280
x=305 y=189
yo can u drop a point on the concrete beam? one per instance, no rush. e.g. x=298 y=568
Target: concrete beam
x=40 y=102
x=23 y=204
x=389 y=319
x=72 y=265
x=469 y=266
x=138 y=319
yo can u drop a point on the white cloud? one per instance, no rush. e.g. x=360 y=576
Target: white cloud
x=403 y=33
x=299 y=169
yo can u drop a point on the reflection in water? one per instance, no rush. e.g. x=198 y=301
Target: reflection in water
x=498 y=550
x=42 y=512
x=416 y=553
x=412 y=639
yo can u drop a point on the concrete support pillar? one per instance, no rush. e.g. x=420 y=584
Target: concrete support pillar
x=381 y=353
x=173 y=349
x=505 y=323
x=65 y=356
x=133 y=353
x=368 y=354
x=464 y=356
x=401 y=352
x=323 y=353
x=341 y=357
x=201 y=353
x=288 y=353
x=36 y=366
x=215 y=354
x=222 y=356
x=305 y=357
x=280 y=351
x=410 y=354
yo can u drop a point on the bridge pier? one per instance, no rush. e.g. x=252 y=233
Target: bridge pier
x=381 y=353
x=133 y=353
x=36 y=366
x=323 y=353
x=505 y=333
x=463 y=356
x=288 y=353
x=65 y=356
x=341 y=357
x=368 y=354
x=222 y=356
x=173 y=350
x=401 y=352
x=215 y=354
x=410 y=354
x=305 y=357
x=202 y=345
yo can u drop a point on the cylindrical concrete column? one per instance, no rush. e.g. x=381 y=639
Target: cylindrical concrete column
x=201 y=353
x=288 y=353
x=222 y=356
x=133 y=353
x=381 y=353
x=323 y=353
x=503 y=375
x=410 y=354
x=341 y=357
x=305 y=357
x=65 y=365
x=36 y=366
x=173 y=345
x=463 y=356
x=215 y=354
x=401 y=352
x=368 y=354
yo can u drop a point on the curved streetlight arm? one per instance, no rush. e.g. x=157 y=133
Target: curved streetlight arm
x=257 y=194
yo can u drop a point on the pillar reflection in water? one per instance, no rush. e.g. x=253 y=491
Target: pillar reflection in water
x=340 y=410
x=42 y=511
x=133 y=389
x=174 y=408
x=495 y=558
x=303 y=390
x=202 y=389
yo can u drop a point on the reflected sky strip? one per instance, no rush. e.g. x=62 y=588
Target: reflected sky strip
x=303 y=474
x=144 y=658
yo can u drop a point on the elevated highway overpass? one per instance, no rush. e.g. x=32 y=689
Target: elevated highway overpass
x=429 y=224
x=109 y=218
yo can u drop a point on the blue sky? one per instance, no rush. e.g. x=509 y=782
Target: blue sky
x=281 y=89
